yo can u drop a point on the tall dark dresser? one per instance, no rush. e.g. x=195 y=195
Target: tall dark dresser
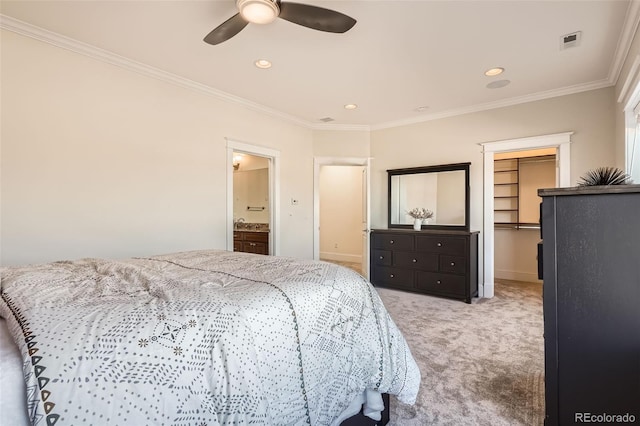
x=591 y=273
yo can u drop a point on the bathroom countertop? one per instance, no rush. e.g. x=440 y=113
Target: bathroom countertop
x=251 y=227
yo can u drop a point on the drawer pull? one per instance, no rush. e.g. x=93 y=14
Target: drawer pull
x=252 y=244
x=438 y=282
x=391 y=276
x=414 y=260
x=439 y=244
x=381 y=257
x=391 y=242
x=453 y=263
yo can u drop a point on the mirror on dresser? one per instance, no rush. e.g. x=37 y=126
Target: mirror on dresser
x=441 y=258
x=442 y=189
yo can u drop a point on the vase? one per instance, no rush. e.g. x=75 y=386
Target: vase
x=417 y=224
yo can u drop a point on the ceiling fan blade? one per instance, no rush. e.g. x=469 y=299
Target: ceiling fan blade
x=316 y=17
x=226 y=30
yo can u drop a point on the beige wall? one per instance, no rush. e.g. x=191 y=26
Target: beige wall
x=516 y=254
x=341 y=143
x=453 y=140
x=101 y=161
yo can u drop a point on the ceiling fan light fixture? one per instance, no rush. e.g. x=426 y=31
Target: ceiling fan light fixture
x=258 y=11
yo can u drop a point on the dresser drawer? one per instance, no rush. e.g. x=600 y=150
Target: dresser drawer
x=417 y=260
x=392 y=277
x=453 y=264
x=453 y=285
x=441 y=244
x=393 y=241
x=381 y=257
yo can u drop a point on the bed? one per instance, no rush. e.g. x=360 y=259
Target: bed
x=198 y=338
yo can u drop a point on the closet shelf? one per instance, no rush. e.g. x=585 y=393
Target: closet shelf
x=517 y=225
x=509 y=173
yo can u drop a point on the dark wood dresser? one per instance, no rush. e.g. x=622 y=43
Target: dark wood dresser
x=441 y=263
x=591 y=300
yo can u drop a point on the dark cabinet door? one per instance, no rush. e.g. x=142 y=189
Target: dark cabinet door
x=251 y=242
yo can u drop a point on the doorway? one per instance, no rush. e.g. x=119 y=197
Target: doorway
x=561 y=142
x=341 y=212
x=518 y=176
x=251 y=207
x=253 y=181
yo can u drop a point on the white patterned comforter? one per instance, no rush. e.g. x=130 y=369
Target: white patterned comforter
x=201 y=338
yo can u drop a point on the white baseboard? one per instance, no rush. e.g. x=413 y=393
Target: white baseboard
x=341 y=257
x=517 y=276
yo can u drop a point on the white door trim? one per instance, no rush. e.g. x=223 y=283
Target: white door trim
x=560 y=141
x=274 y=190
x=340 y=161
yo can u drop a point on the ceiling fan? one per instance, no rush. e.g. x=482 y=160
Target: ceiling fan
x=266 y=11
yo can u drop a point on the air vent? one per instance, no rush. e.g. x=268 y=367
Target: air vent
x=326 y=119
x=570 y=40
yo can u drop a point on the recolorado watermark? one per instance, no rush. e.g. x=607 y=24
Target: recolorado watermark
x=604 y=418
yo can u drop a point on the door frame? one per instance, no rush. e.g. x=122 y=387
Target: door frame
x=365 y=162
x=274 y=190
x=562 y=143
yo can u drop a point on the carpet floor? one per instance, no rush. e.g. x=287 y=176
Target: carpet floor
x=481 y=363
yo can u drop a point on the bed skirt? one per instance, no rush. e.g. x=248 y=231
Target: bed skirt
x=362 y=420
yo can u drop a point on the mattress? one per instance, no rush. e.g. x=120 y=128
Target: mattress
x=202 y=337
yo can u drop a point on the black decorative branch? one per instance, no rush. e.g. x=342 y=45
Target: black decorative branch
x=605 y=176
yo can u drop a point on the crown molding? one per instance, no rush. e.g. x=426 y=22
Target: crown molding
x=570 y=90
x=341 y=127
x=64 y=42
x=627 y=34
x=624 y=43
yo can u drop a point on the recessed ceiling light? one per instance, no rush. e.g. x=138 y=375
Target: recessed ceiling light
x=498 y=84
x=421 y=109
x=494 y=71
x=262 y=63
x=350 y=106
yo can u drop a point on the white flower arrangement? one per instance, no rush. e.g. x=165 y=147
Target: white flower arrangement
x=420 y=213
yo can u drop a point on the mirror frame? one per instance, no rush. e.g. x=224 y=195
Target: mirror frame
x=432 y=169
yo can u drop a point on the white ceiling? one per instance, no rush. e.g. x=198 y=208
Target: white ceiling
x=400 y=55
